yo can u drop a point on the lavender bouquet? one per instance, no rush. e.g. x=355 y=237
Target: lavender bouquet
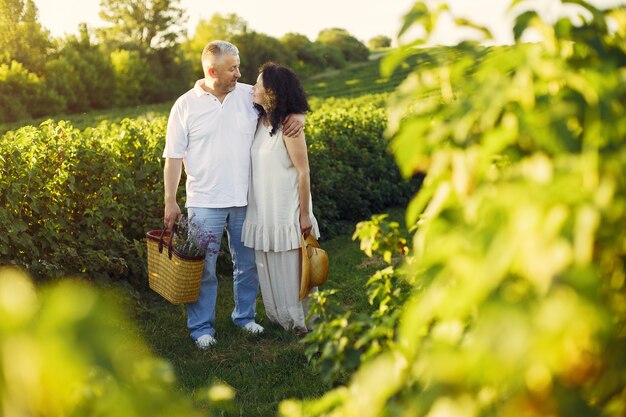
x=191 y=240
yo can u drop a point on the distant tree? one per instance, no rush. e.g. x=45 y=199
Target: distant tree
x=313 y=56
x=133 y=76
x=351 y=48
x=148 y=24
x=173 y=73
x=218 y=27
x=22 y=38
x=82 y=73
x=297 y=42
x=97 y=73
x=15 y=81
x=309 y=55
x=380 y=41
x=257 y=48
x=64 y=78
x=24 y=94
x=333 y=56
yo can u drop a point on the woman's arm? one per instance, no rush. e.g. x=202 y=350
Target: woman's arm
x=296 y=148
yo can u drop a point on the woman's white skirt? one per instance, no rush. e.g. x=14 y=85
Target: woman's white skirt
x=279 y=277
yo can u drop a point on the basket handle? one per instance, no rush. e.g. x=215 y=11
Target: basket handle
x=169 y=244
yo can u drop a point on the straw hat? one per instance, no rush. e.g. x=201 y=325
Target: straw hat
x=314 y=265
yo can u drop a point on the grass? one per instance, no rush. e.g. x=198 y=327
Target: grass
x=265 y=369
x=364 y=78
x=358 y=79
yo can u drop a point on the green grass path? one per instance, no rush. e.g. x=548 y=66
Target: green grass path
x=263 y=370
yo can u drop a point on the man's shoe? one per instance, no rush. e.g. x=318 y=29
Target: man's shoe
x=205 y=341
x=253 y=328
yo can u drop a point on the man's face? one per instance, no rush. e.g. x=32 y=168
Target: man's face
x=226 y=73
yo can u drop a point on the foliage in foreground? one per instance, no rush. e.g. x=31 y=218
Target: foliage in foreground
x=517 y=266
x=69 y=350
x=343 y=337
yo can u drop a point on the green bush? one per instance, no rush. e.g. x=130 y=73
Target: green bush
x=174 y=72
x=352 y=174
x=14 y=77
x=80 y=77
x=379 y=42
x=82 y=74
x=80 y=202
x=332 y=56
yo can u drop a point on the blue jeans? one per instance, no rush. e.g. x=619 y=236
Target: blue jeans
x=201 y=314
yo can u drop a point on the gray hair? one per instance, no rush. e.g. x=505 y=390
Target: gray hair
x=215 y=49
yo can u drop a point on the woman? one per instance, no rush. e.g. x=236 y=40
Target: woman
x=279 y=198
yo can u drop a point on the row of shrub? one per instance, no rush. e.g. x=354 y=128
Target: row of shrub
x=77 y=202
x=81 y=201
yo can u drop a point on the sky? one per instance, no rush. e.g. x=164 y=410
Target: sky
x=363 y=19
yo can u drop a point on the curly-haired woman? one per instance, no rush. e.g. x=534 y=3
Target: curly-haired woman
x=279 y=197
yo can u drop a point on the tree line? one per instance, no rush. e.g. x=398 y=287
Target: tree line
x=142 y=56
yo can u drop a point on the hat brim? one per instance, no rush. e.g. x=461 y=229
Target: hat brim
x=314 y=265
x=305 y=275
x=318 y=270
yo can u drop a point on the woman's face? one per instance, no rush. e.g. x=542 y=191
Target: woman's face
x=258 y=91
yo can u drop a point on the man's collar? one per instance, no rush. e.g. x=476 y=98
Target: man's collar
x=197 y=88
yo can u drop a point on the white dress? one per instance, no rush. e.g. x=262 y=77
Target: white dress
x=272 y=228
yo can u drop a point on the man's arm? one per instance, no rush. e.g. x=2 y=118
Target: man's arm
x=171 y=179
x=293 y=125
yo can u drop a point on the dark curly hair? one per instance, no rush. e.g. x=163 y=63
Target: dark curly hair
x=283 y=92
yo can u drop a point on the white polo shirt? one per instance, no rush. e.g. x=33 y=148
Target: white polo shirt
x=214 y=140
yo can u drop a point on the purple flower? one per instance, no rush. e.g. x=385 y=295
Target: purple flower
x=191 y=240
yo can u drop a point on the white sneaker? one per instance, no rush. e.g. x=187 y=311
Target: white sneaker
x=205 y=341
x=253 y=328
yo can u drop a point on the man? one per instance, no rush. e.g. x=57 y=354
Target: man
x=210 y=131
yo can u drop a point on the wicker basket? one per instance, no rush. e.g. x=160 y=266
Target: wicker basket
x=176 y=277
